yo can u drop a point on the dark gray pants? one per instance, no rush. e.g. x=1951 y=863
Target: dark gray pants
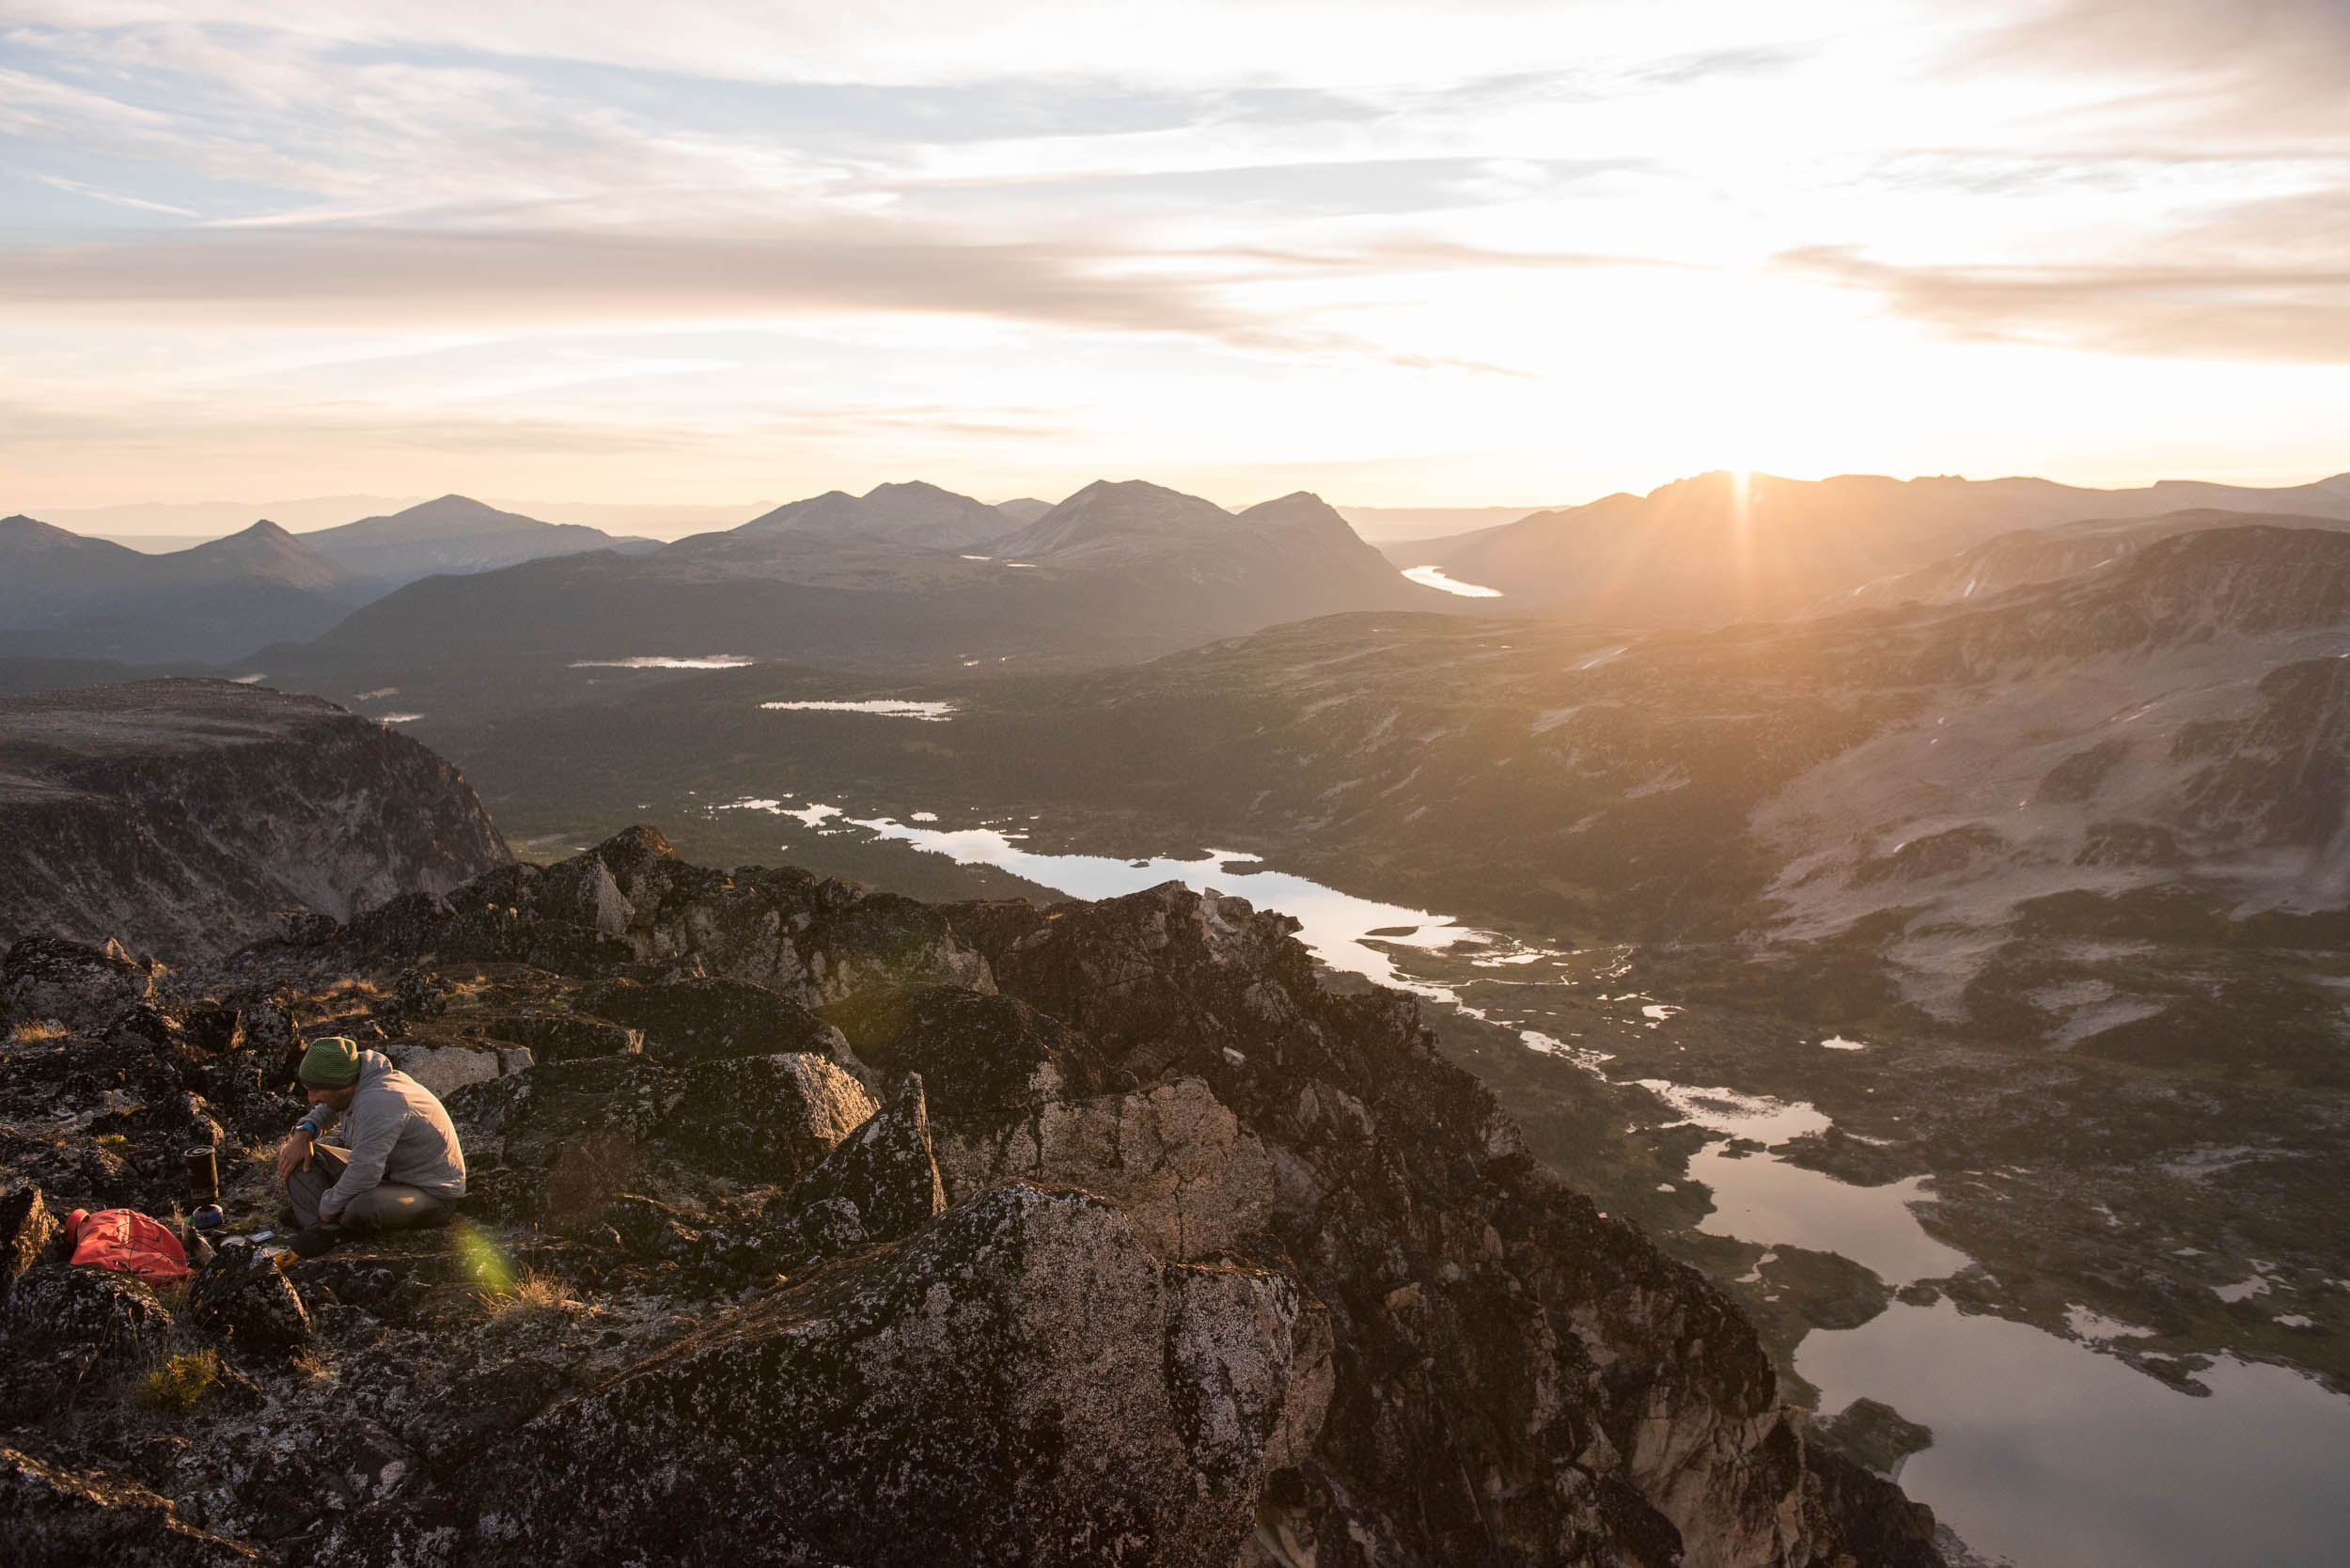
x=390 y=1206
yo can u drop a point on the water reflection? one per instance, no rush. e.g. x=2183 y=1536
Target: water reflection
x=1762 y=1199
x=2058 y=1457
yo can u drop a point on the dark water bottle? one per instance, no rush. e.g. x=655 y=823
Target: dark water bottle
x=203 y=1172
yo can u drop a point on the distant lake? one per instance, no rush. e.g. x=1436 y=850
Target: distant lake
x=879 y=707
x=1433 y=576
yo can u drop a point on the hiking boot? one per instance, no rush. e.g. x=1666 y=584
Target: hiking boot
x=319 y=1240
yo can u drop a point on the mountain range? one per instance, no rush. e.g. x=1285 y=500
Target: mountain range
x=1118 y=572
x=66 y=595
x=1723 y=547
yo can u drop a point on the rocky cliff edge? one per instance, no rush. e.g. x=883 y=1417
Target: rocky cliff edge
x=179 y=817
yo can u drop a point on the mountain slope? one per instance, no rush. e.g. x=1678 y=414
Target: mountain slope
x=453 y=534
x=909 y=513
x=2044 y=555
x=1724 y=547
x=62 y=596
x=46 y=572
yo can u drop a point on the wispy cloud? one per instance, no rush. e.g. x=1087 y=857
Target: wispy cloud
x=2210 y=311
x=1549 y=227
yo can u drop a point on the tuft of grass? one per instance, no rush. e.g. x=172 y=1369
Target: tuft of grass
x=529 y=1288
x=181 y=1381
x=33 y=1030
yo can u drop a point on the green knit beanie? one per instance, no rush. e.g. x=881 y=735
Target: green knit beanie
x=331 y=1062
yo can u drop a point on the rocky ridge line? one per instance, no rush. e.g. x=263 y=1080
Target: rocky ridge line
x=854 y=1230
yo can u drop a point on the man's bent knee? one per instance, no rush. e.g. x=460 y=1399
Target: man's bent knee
x=392 y=1207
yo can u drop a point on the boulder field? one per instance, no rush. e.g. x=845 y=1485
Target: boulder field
x=811 y=1225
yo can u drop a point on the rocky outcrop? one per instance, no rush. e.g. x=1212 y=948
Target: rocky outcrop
x=181 y=816
x=1149 y=1250
x=1107 y=1408
x=70 y=984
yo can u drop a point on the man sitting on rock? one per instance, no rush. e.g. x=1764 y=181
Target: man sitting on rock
x=400 y=1166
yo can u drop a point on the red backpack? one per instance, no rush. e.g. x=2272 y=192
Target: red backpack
x=127 y=1242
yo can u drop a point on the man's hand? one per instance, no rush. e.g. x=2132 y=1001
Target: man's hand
x=296 y=1155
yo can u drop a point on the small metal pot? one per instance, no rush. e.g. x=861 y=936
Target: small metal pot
x=203 y=1172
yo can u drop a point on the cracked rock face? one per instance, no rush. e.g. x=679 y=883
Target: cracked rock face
x=1191 y=1180
x=1109 y=1408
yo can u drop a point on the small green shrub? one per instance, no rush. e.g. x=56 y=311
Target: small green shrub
x=182 y=1380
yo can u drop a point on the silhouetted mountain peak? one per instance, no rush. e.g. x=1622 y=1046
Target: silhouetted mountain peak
x=1116 y=514
x=264 y=551
x=1299 y=509
x=911 y=511
x=20 y=529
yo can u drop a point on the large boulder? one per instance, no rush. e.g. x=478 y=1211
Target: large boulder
x=70 y=983
x=764 y=1119
x=564 y=1140
x=1106 y=1409
x=116 y=1312
x=879 y=1184
x=242 y=1295
x=446 y=1069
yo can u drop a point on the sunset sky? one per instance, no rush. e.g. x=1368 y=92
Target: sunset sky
x=1405 y=255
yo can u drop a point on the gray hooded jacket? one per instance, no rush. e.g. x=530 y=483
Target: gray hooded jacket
x=395 y=1131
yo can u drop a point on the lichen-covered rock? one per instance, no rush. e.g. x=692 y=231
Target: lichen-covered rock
x=116 y=1312
x=695 y=1020
x=1590 y=1388
x=1479 y=1367
x=817 y=941
x=419 y=993
x=563 y=1140
x=764 y=1119
x=446 y=1069
x=26 y=1230
x=52 y=1518
x=403 y=926
x=1107 y=1409
x=242 y=1295
x=73 y=983
x=984 y=1056
x=1190 y=1180
x=581 y=891
x=878 y=1184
